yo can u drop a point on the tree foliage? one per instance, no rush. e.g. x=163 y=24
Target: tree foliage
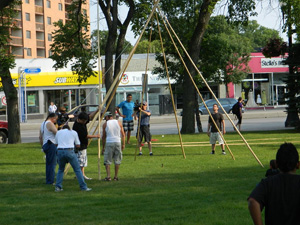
x=71 y=43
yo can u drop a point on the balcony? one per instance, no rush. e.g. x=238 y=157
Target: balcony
x=40 y=44
x=17 y=23
x=39 y=27
x=17 y=41
x=39 y=10
x=68 y=2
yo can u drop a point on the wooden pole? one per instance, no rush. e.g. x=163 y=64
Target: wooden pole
x=210 y=89
x=170 y=87
x=195 y=85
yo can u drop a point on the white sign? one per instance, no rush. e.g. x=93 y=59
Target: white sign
x=135 y=78
x=272 y=63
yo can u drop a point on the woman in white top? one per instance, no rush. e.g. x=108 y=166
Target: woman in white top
x=47 y=141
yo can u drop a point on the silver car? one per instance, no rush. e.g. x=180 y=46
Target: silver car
x=227 y=104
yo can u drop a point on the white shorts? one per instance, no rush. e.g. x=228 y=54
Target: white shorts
x=82 y=158
x=214 y=137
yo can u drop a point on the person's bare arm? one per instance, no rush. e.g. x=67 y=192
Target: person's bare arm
x=122 y=135
x=91 y=116
x=41 y=138
x=223 y=122
x=208 y=129
x=255 y=211
x=118 y=111
x=145 y=112
x=103 y=137
x=51 y=127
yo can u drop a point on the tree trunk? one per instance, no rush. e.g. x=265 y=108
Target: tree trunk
x=11 y=94
x=188 y=119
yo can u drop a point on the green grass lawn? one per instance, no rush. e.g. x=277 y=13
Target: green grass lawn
x=162 y=189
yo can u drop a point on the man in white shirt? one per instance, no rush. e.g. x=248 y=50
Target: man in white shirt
x=112 y=148
x=52 y=108
x=66 y=139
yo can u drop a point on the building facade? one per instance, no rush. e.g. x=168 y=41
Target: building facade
x=34 y=22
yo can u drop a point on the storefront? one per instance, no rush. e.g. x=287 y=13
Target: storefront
x=265 y=82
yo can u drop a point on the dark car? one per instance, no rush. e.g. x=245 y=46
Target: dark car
x=227 y=104
x=3 y=131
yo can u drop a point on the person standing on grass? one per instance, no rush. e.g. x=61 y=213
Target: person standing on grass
x=112 y=145
x=52 y=108
x=66 y=139
x=127 y=110
x=212 y=131
x=279 y=194
x=80 y=127
x=239 y=113
x=144 y=130
x=47 y=140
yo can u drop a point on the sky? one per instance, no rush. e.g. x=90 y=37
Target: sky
x=268 y=16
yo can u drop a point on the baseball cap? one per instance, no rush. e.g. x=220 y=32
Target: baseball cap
x=108 y=114
x=144 y=103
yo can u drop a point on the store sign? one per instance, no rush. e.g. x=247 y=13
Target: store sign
x=272 y=63
x=135 y=78
x=53 y=79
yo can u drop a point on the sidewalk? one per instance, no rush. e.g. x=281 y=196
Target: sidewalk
x=170 y=118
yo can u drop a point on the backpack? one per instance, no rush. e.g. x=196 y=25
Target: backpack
x=236 y=108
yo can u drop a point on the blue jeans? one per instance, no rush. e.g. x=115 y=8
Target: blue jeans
x=65 y=156
x=50 y=150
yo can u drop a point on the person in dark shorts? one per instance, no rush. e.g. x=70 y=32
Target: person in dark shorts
x=80 y=127
x=212 y=131
x=279 y=195
x=144 y=131
x=273 y=169
x=239 y=113
x=127 y=112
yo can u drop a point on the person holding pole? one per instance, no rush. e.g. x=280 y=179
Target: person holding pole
x=279 y=194
x=127 y=110
x=66 y=139
x=80 y=127
x=212 y=131
x=144 y=130
x=112 y=146
x=47 y=140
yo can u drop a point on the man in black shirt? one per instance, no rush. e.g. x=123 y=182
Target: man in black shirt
x=213 y=133
x=278 y=194
x=80 y=127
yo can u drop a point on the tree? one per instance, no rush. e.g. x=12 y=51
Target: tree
x=7 y=62
x=191 y=18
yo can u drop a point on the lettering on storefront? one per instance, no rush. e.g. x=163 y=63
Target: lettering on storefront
x=65 y=80
x=272 y=63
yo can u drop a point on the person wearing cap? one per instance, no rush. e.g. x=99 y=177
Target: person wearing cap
x=144 y=130
x=80 y=127
x=65 y=141
x=112 y=146
x=62 y=117
x=127 y=110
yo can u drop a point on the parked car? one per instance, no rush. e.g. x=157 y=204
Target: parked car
x=227 y=104
x=3 y=132
x=81 y=108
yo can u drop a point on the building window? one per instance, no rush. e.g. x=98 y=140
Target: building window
x=49 y=37
x=60 y=7
x=29 y=52
x=50 y=53
x=32 y=102
x=84 y=12
x=48 y=4
x=27 y=16
x=28 y=34
x=27 y=1
x=49 y=20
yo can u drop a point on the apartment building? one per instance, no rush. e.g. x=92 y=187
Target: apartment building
x=35 y=21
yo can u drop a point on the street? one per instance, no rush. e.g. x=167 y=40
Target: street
x=30 y=134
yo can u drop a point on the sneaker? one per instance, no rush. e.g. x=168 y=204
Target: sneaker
x=213 y=152
x=151 y=154
x=116 y=178
x=140 y=153
x=58 y=189
x=87 y=189
x=224 y=153
x=87 y=178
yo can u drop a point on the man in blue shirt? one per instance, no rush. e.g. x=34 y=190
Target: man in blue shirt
x=144 y=130
x=127 y=111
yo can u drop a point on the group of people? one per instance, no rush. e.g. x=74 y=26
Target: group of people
x=62 y=145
